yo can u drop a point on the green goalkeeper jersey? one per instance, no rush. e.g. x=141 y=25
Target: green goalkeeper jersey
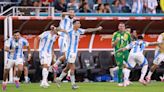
x=125 y=39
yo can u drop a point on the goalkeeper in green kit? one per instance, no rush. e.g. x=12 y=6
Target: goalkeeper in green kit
x=120 y=39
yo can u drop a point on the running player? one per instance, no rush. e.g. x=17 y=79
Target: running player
x=14 y=48
x=46 y=54
x=159 y=57
x=73 y=40
x=136 y=57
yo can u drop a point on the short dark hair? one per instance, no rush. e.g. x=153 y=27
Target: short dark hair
x=122 y=23
x=140 y=37
x=75 y=21
x=16 y=31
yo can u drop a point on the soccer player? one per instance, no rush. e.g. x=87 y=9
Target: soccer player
x=159 y=57
x=120 y=39
x=136 y=57
x=14 y=48
x=137 y=6
x=71 y=54
x=46 y=54
x=66 y=24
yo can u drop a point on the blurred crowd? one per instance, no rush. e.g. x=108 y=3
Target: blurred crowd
x=96 y=6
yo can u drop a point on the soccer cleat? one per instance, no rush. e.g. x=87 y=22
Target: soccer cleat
x=148 y=79
x=3 y=86
x=143 y=82
x=58 y=82
x=162 y=78
x=120 y=84
x=75 y=87
x=17 y=84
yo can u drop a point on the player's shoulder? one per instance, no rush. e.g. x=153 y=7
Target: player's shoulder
x=127 y=33
x=23 y=39
x=115 y=33
x=162 y=34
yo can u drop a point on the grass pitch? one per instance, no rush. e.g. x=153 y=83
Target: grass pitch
x=88 y=87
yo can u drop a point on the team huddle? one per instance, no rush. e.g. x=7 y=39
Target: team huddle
x=68 y=34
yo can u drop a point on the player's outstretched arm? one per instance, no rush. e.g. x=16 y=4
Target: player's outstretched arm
x=93 y=29
x=155 y=43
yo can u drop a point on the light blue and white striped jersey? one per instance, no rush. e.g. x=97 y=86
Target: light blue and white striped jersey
x=137 y=6
x=137 y=46
x=17 y=46
x=73 y=39
x=66 y=23
x=47 y=41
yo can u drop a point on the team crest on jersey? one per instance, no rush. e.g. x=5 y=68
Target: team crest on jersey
x=125 y=36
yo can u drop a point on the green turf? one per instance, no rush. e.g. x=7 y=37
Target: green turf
x=89 y=87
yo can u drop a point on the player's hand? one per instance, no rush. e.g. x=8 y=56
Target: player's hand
x=29 y=57
x=100 y=28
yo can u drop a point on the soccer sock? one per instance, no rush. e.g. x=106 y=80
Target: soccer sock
x=72 y=77
x=26 y=78
x=62 y=75
x=119 y=75
x=69 y=73
x=143 y=72
x=58 y=62
x=149 y=74
x=112 y=71
x=126 y=74
x=45 y=74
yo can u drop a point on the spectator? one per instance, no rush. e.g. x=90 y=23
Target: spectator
x=37 y=3
x=73 y=5
x=47 y=2
x=100 y=8
x=150 y=6
x=107 y=8
x=162 y=5
x=26 y=3
x=85 y=8
x=97 y=2
x=137 y=6
x=60 y=6
x=116 y=6
x=125 y=7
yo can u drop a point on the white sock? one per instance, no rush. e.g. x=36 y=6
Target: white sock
x=26 y=78
x=126 y=73
x=45 y=74
x=69 y=73
x=58 y=62
x=143 y=72
x=62 y=75
x=149 y=74
x=112 y=71
x=72 y=77
x=115 y=68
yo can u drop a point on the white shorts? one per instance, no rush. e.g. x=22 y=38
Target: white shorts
x=45 y=58
x=10 y=63
x=136 y=58
x=71 y=57
x=158 y=58
x=62 y=42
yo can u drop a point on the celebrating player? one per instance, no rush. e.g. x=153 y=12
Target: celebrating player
x=14 y=48
x=159 y=57
x=73 y=39
x=136 y=57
